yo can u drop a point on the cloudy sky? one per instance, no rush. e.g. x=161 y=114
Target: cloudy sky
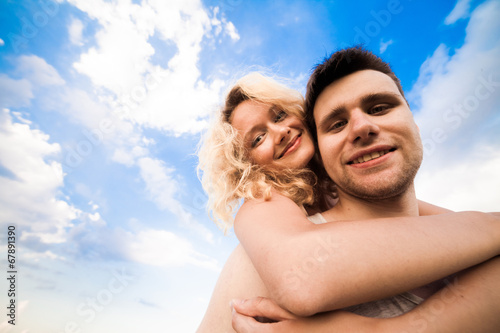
x=102 y=104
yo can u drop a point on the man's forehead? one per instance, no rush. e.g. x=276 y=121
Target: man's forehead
x=353 y=87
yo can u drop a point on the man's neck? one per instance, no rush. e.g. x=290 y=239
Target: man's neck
x=351 y=208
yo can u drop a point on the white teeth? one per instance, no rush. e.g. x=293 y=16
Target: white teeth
x=369 y=157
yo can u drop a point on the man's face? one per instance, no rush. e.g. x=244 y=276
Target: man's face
x=369 y=143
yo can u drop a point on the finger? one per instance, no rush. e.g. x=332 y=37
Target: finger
x=245 y=324
x=261 y=307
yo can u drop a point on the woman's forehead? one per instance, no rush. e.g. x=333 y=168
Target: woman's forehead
x=248 y=111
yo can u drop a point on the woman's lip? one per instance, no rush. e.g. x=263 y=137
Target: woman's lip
x=294 y=145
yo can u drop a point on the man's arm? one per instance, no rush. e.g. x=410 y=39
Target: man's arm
x=471 y=303
x=315 y=268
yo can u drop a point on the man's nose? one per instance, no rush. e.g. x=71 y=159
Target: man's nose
x=362 y=126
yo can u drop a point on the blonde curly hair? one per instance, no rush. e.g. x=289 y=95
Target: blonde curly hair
x=227 y=174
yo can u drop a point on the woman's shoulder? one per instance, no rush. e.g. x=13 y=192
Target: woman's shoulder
x=274 y=199
x=275 y=205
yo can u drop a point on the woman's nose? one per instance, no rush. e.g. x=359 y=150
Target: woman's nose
x=282 y=134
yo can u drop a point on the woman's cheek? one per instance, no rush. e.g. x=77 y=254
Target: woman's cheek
x=261 y=157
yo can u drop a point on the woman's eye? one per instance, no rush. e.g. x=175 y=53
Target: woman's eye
x=257 y=140
x=280 y=116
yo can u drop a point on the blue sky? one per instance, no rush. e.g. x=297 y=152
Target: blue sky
x=103 y=104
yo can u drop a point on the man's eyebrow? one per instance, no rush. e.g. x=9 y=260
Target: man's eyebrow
x=375 y=97
x=367 y=99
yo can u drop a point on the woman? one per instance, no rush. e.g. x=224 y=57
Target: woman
x=229 y=175
x=259 y=150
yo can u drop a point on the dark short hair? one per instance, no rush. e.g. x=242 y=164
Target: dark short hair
x=337 y=66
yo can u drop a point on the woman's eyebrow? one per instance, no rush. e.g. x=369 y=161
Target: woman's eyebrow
x=273 y=110
x=271 y=113
x=248 y=134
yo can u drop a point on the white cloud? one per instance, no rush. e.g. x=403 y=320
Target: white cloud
x=128 y=157
x=37 y=71
x=122 y=53
x=231 y=31
x=160 y=182
x=223 y=24
x=93 y=239
x=133 y=93
x=163 y=248
x=75 y=31
x=171 y=97
x=130 y=92
x=14 y=93
x=32 y=199
x=455 y=96
x=41 y=256
x=93 y=205
x=6 y=327
x=164 y=189
x=385 y=45
x=470 y=185
x=460 y=11
x=457 y=100
x=180 y=103
x=2 y=43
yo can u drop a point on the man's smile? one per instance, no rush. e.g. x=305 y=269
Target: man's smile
x=368 y=156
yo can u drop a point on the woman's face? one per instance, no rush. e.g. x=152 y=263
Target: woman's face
x=272 y=137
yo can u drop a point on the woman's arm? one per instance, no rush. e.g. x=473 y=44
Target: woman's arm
x=471 y=303
x=238 y=279
x=315 y=268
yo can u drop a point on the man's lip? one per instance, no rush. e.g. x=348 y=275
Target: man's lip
x=289 y=145
x=362 y=153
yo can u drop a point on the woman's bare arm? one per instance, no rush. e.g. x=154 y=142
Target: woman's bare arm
x=238 y=279
x=315 y=268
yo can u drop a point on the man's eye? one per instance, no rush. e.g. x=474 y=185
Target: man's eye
x=280 y=116
x=257 y=140
x=379 y=109
x=338 y=125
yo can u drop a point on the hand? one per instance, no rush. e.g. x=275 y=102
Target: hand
x=279 y=320
x=259 y=315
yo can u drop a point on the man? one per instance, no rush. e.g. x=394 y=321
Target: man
x=370 y=147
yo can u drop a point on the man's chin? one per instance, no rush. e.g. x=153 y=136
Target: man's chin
x=377 y=190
